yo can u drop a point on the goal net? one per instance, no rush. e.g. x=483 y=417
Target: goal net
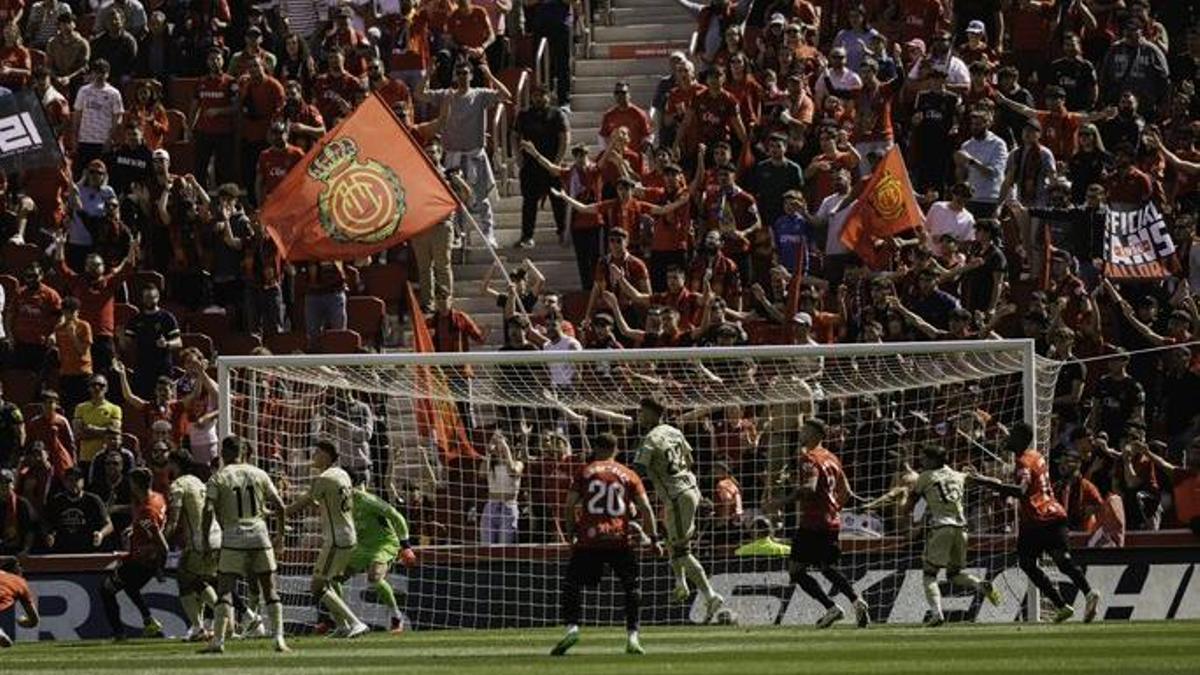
x=478 y=450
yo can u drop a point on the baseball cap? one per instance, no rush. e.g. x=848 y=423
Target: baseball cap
x=1055 y=91
x=728 y=329
x=602 y=318
x=6 y=476
x=161 y=154
x=1031 y=123
x=621 y=86
x=917 y=44
x=98 y=379
x=778 y=18
x=97 y=165
x=802 y=318
x=976 y=26
x=254 y=30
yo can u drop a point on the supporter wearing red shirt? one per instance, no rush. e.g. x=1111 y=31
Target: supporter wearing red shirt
x=713 y=117
x=407 y=33
x=469 y=27
x=165 y=406
x=212 y=119
x=745 y=88
x=260 y=99
x=1128 y=186
x=733 y=212
x=15 y=65
x=54 y=432
x=32 y=314
x=618 y=160
x=97 y=292
x=618 y=265
x=625 y=114
x=336 y=91
x=305 y=125
x=671 y=234
x=918 y=18
x=1030 y=25
x=679 y=104
x=550 y=479
x=711 y=270
x=824 y=166
x=1060 y=127
x=394 y=93
x=275 y=162
x=344 y=38
x=873 y=107
x=1079 y=496
x=685 y=303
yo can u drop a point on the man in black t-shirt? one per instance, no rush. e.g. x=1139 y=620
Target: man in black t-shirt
x=547 y=128
x=76 y=521
x=1075 y=75
x=984 y=274
x=934 y=114
x=153 y=334
x=1119 y=400
x=130 y=162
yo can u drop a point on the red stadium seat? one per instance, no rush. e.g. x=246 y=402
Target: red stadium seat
x=200 y=341
x=20 y=386
x=122 y=313
x=237 y=343
x=338 y=342
x=386 y=282
x=181 y=92
x=16 y=257
x=177 y=128
x=365 y=315
x=286 y=343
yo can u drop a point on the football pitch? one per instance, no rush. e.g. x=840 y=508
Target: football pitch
x=1071 y=648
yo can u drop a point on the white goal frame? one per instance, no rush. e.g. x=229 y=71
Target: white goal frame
x=1028 y=369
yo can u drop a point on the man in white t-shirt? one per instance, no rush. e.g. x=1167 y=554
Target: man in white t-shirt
x=562 y=375
x=951 y=218
x=841 y=77
x=97 y=111
x=832 y=213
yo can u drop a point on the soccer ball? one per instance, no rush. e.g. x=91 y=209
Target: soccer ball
x=725 y=617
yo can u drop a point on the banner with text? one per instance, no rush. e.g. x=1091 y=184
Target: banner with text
x=1137 y=245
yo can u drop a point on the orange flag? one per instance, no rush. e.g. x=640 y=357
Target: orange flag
x=365 y=187
x=886 y=207
x=437 y=416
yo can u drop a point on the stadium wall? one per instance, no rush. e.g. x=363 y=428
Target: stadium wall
x=1150 y=581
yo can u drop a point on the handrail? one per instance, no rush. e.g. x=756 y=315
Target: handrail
x=500 y=149
x=541 y=63
x=694 y=43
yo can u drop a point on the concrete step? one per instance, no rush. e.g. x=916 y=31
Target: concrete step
x=625 y=67
x=591 y=102
x=640 y=49
x=584 y=118
x=624 y=16
x=648 y=4
x=645 y=32
x=639 y=85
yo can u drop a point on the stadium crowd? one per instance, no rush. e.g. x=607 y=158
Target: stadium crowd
x=713 y=218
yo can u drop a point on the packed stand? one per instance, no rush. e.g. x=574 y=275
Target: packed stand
x=712 y=218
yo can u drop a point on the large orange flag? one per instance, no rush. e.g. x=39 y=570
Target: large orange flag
x=365 y=187
x=886 y=207
x=437 y=416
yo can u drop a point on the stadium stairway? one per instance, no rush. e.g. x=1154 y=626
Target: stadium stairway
x=634 y=49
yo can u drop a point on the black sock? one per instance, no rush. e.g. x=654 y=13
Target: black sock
x=840 y=583
x=1068 y=567
x=571 y=603
x=108 y=598
x=135 y=595
x=1041 y=581
x=810 y=586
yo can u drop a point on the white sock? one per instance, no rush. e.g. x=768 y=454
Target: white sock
x=220 y=616
x=695 y=572
x=633 y=635
x=573 y=628
x=933 y=595
x=276 y=613
x=191 y=609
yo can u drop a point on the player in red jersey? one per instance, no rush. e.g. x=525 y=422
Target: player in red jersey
x=821 y=492
x=608 y=496
x=147 y=554
x=13 y=589
x=1043 y=523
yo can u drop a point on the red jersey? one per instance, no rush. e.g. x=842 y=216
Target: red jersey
x=1060 y=132
x=873 y=122
x=821 y=509
x=410 y=48
x=585 y=185
x=97 y=299
x=148 y=518
x=260 y=102
x=336 y=94
x=608 y=490
x=213 y=92
x=632 y=118
x=14 y=588
x=715 y=114
x=274 y=163
x=1038 y=504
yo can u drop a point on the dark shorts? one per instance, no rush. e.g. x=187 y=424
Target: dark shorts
x=133 y=574
x=586 y=567
x=815 y=547
x=1036 y=539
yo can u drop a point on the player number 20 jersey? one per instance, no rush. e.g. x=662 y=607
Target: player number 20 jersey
x=607 y=492
x=943 y=491
x=238 y=495
x=334 y=493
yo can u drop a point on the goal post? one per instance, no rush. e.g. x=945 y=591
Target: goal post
x=478 y=449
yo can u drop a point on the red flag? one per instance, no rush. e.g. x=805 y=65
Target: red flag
x=365 y=187
x=886 y=207
x=437 y=416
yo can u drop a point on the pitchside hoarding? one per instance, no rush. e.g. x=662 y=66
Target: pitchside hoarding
x=1136 y=584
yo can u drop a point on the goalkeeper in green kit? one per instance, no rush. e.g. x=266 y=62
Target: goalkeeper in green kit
x=382 y=538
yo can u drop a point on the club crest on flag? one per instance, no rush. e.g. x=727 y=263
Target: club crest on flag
x=888 y=197
x=362 y=200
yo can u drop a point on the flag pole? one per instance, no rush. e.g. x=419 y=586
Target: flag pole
x=495 y=255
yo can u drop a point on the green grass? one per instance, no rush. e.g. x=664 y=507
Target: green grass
x=1070 y=648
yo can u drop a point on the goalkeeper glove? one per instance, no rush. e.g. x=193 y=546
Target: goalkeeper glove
x=408 y=557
